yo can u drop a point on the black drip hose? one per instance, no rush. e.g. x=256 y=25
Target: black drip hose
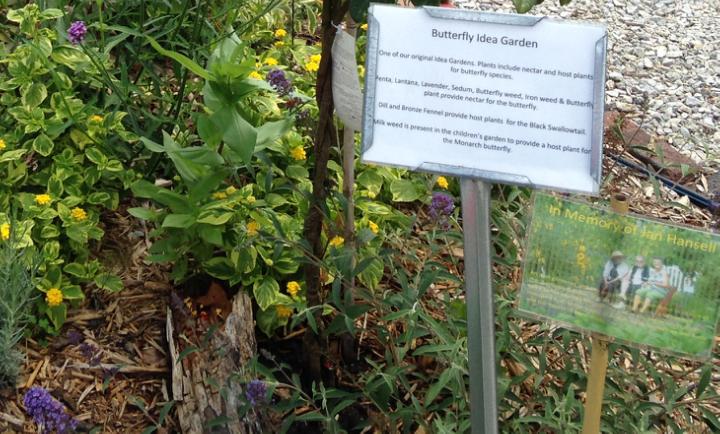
x=694 y=196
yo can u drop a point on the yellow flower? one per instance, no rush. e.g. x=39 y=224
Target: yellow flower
x=442 y=182
x=315 y=58
x=298 y=153
x=251 y=200
x=42 y=199
x=96 y=118
x=283 y=311
x=255 y=75
x=337 y=241
x=279 y=44
x=2 y=144
x=293 y=288
x=280 y=33
x=363 y=26
x=361 y=71
x=271 y=61
x=230 y=190
x=373 y=227
x=371 y=194
x=219 y=195
x=78 y=214
x=252 y=228
x=54 y=297
x=5 y=231
x=312 y=66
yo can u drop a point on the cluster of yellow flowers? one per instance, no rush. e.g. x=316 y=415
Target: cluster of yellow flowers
x=271 y=61
x=219 y=195
x=78 y=214
x=442 y=182
x=373 y=227
x=54 y=297
x=3 y=145
x=280 y=33
x=293 y=288
x=255 y=75
x=298 y=153
x=42 y=199
x=364 y=26
x=252 y=228
x=313 y=64
x=5 y=231
x=96 y=119
x=283 y=311
x=337 y=241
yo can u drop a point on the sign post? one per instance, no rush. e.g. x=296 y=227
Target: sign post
x=480 y=305
x=503 y=98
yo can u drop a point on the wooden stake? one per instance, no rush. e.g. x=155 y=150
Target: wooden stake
x=599 y=357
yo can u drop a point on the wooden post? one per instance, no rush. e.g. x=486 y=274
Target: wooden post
x=599 y=357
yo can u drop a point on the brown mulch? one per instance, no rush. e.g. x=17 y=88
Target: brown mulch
x=111 y=357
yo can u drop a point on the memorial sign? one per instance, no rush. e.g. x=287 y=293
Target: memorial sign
x=637 y=280
x=505 y=98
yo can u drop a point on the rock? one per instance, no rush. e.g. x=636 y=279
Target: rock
x=615 y=75
x=647 y=63
x=661 y=51
x=691 y=101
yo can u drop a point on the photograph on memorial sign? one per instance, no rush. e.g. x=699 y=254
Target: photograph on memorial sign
x=637 y=280
x=502 y=97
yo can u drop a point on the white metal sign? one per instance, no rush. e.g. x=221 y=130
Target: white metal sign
x=500 y=97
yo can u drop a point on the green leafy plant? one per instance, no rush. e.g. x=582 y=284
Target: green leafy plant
x=17 y=294
x=61 y=155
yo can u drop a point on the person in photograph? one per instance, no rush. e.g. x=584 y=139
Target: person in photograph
x=655 y=289
x=614 y=272
x=639 y=274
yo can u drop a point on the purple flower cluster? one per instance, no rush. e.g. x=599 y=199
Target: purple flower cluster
x=442 y=205
x=255 y=392
x=47 y=412
x=279 y=82
x=77 y=31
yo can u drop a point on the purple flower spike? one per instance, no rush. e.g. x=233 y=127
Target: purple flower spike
x=76 y=32
x=48 y=413
x=279 y=82
x=442 y=205
x=255 y=392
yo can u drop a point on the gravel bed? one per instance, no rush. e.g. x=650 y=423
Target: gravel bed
x=663 y=64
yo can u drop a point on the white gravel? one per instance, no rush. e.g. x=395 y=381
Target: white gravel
x=663 y=63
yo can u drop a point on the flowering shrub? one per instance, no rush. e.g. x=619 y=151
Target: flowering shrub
x=61 y=157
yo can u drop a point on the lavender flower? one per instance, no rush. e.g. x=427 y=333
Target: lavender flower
x=442 y=205
x=279 y=82
x=47 y=412
x=255 y=392
x=74 y=337
x=76 y=32
x=91 y=353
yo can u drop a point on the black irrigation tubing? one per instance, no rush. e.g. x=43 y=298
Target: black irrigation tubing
x=694 y=196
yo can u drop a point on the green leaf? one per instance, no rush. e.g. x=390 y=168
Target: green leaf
x=266 y=292
x=57 y=315
x=109 y=282
x=143 y=213
x=523 y=6
x=181 y=221
x=704 y=381
x=211 y=235
x=50 y=14
x=208 y=131
x=404 y=190
x=73 y=292
x=34 y=95
x=12 y=155
x=216 y=219
x=238 y=134
x=271 y=131
x=219 y=267
x=71 y=57
x=181 y=59
x=96 y=156
x=43 y=145
x=75 y=269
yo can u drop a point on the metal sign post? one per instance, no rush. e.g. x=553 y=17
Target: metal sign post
x=480 y=306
